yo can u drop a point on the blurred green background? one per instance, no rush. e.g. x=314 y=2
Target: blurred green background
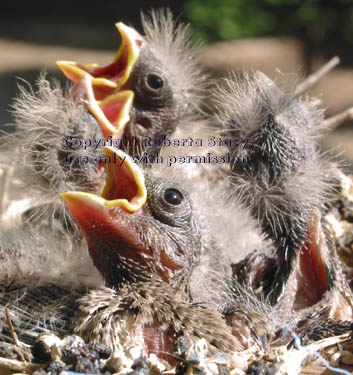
x=325 y=27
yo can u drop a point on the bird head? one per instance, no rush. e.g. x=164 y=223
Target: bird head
x=140 y=227
x=157 y=71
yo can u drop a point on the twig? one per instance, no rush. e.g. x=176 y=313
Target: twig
x=14 y=364
x=12 y=331
x=14 y=335
x=312 y=79
x=334 y=121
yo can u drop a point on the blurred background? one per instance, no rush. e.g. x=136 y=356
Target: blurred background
x=274 y=36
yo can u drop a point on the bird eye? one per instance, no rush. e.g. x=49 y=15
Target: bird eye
x=173 y=196
x=168 y=202
x=154 y=83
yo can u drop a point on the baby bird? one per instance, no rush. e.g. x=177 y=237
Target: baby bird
x=145 y=242
x=279 y=155
x=38 y=160
x=279 y=173
x=158 y=70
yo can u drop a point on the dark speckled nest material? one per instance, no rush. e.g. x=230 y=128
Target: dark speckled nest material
x=340 y=223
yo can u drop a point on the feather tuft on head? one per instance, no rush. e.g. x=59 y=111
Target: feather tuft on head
x=172 y=44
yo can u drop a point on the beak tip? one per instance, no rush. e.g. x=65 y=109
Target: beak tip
x=68 y=198
x=64 y=196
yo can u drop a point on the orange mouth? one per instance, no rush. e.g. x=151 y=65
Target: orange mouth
x=124 y=188
x=103 y=86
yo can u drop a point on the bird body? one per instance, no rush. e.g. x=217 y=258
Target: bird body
x=281 y=131
x=149 y=315
x=287 y=186
x=40 y=162
x=145 y=248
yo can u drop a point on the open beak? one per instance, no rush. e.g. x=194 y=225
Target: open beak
x=315 y=275
x=103 y=87
x=115 y=74
x=312 y=275
x=124 y=188
x=112 y=113
x=108 y=221
x=115 y=224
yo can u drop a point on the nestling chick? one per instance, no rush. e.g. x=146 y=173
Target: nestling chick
x=159 y=70
x=280 y=131
x=37 y=160
x=144 y=240
x=38 y=236
x=149 y=248
x=286 y=183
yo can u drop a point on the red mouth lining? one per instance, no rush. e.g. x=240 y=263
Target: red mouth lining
x=123 y=183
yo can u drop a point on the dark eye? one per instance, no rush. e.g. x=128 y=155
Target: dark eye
x=168 y=202
x=173 y=196
x=154 y=82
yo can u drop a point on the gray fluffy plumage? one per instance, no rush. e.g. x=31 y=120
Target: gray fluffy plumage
x=172 y=45
x=285 y=180
x=39 y=240
x=40 y=157
x=288 y=175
